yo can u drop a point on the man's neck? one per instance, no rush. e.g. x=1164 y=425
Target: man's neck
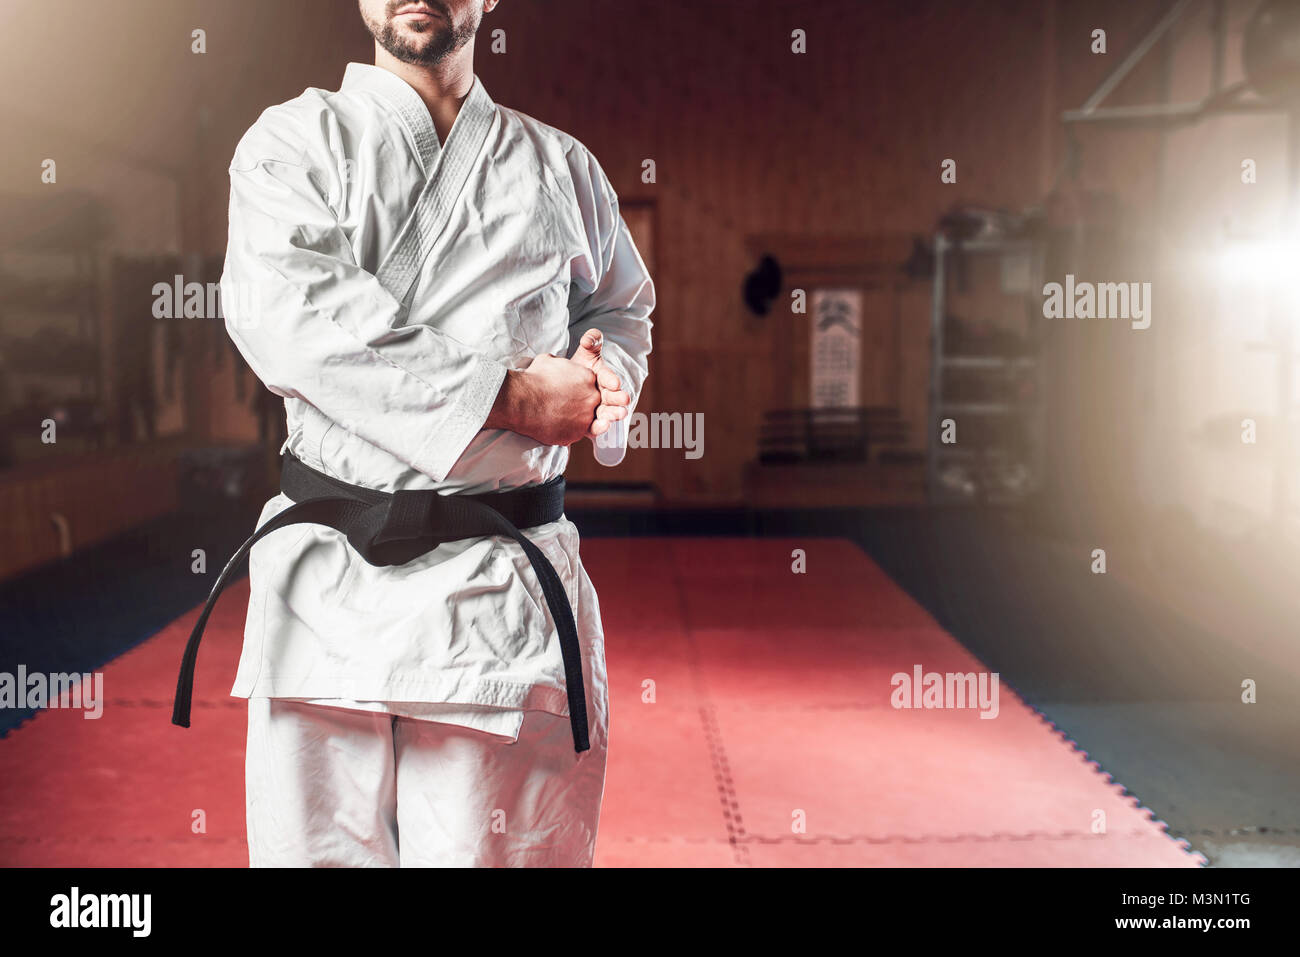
x=443 y=88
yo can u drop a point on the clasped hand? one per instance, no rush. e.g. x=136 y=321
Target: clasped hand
x=558 y=401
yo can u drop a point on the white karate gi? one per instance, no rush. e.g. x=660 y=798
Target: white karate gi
x=383 y=282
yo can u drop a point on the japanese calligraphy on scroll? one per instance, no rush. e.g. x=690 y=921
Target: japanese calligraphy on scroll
x=836 y=347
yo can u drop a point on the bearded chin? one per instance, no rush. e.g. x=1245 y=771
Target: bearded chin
x=432 y=48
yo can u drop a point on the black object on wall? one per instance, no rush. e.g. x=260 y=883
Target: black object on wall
x=762 y=286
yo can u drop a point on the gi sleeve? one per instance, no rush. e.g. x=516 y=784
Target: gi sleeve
x=314 y=325
x=619 y=305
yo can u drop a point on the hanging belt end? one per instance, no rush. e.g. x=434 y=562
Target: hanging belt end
x=181 y=711
x=580 y=741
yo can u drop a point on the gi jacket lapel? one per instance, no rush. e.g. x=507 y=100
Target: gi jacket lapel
x=404 y=100
x=448 y=166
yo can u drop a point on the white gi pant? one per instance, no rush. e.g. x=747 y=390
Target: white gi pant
x=335 y=787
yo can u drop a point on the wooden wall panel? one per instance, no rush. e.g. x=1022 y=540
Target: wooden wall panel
x=98 y=496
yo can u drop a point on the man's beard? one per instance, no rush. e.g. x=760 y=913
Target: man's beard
x=430 y=47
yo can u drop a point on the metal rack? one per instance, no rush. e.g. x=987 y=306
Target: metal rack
x=51 y=330
x=998 y=455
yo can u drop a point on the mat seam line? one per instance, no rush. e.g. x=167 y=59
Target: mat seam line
x=731 y=816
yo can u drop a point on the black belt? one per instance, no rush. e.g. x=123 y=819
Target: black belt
x=393 y=528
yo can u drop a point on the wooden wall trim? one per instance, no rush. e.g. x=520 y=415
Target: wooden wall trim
x=96 y=496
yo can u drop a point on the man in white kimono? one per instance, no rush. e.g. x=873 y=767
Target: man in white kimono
x=444 y=292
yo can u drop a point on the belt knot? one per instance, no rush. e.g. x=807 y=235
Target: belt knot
x=398 y=529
